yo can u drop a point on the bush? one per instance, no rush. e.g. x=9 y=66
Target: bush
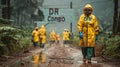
x=4 y=50
x=75 y=41
x=111 y=45
x=25 y=42
x=13 y=40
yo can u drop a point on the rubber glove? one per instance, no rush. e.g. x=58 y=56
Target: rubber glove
x=81 y=35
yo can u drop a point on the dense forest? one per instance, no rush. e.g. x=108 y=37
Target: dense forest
x=16 y=17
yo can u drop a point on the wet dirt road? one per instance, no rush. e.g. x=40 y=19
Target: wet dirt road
x=64 y=56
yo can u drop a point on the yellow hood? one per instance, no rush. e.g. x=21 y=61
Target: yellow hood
x=88 y=6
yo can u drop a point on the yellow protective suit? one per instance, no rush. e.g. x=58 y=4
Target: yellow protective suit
x=42 y=34
x=88 y=25
x=65 y=35
x=57 y=37
x=52 y=36
x=68 y=33
x=35 y=35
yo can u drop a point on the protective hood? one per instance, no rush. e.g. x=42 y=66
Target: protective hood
x=42 y=26
x=88 y=6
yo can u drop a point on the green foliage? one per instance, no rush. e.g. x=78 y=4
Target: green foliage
x=75 y=41
x=25 y=42
x=5 y=21
x=23 y=9
x=9 y=31
x=13 y=40
x=4 y=50
x=16 y=37
x=111 y=45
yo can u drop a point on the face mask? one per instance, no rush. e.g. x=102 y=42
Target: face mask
x=36 y=29
x=87 y=12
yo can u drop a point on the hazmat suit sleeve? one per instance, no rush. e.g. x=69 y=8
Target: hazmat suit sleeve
x=79 y=24
x=96 y=27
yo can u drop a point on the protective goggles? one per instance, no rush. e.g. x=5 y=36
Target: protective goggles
x=87 y=10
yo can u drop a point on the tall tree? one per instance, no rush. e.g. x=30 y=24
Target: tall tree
x=22 y=10
x=5 y=9
x=116 y=23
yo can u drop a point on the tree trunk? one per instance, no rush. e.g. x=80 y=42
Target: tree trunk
x=5 y=9
x=119 y=23
x=115 y=18
x=18 y=18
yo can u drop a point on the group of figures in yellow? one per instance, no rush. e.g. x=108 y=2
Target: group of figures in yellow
x=88 y=33
x=39 y=36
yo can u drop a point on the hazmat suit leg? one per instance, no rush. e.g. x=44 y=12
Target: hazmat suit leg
x=64 y=42
x=84 y=52
x=52 y=42
x=41 y=45
x=35 y=44
x=87 y=52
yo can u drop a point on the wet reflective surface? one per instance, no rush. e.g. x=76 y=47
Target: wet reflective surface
x=53 y=64
x=60 y=56
x=90 y=65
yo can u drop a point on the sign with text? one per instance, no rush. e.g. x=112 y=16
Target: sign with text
x=54 y=15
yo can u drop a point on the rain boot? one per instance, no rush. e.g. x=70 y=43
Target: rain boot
x=89 y=61
x=84 y=60
x=41 y=45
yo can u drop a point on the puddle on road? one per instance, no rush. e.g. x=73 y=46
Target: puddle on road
x=93 y=64
x=90 y=65
x=59 y=57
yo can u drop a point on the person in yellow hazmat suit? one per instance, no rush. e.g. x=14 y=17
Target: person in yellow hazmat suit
x=88 y=32
x=57 y=38
x=52 y=37
x=42 y=36
x=35 y=37
x=65 y=36
x=68 y=36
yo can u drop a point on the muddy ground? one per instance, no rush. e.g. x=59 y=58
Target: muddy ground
x=59 y=56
